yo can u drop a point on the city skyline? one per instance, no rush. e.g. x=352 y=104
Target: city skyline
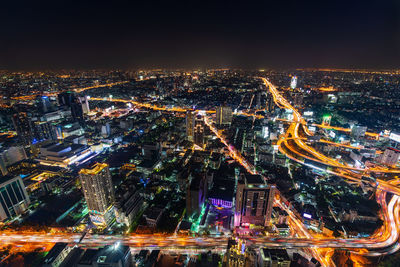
x=206 y=133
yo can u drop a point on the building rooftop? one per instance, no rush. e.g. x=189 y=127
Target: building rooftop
x=254 y=179
x=54 y=252
x=94 y=169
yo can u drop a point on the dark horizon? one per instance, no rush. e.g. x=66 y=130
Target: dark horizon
x=73 y=35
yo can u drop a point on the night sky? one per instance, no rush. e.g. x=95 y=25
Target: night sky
x=39 y=35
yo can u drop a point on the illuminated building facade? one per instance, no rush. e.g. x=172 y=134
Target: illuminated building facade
x=189 y=124
x=293 y=82
x=10 y=156
x=254 y=199
x=98 y=191
x=13 y=198
x=223 y=115
x=198 y=131
x=22 y=126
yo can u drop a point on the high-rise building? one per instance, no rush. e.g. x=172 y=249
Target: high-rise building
x=273 y=257
x=43 y=130
x=358 y=131
x=10 y=156
x=270 y=103
x=189 y=124
x=14 y=199
x=99 y=194
x=293 y=82
x=22 y=125
x=223 y=115
x=390 y=157
x=196 y=194
x=198 y=130
x=77 y=110
x=85 y=104
x=31 y=130
x=258 y=100
x=43 y=104
x=254 y=199
x=70 y=100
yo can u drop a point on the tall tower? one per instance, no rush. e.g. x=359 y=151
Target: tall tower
x=99 y=194
x=258 y=100
x=223 y=115
x=198 y=131
x=189 y=124
x=23 y=127
x=85 y=104
x=254 y=200
x=70 y=100
x=293 y=82
x=43 y=103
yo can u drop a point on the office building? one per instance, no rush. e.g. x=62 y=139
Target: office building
x=70 y=255
x=293 y=82
x=240 y=255
x=358 y=131
x=390 y=157
x=70 y=100
x=189 y=124
x=151 y=151
x=273 y=257
x=198 y=131
x=196 y=194
x=116 y=255
x=223 y=115
x=22 y=125
x=43 y=130
x=57 y=255
x=128 y=203
x=254 y=200
x=85 y=104
x=258 y=100
x=153 y=216
x=270 y=105
x=98 y=191
x=10 y=156
x=14 y=199
x=43 y=104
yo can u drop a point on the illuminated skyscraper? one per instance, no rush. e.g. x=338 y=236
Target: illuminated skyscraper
x=293 y=82
x=198 y=130
x=14 y=199
x=254 y=199
x=22 y=125
x=223 y=115
x=258 y=100
x=85 y=104
x=189 y=124
x=43 y=103
x=70 y=100
x=99 y=194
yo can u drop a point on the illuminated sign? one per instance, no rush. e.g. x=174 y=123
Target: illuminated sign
x=306 y=215
x=395 y=137
x=308 y=113
x=332 y=134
